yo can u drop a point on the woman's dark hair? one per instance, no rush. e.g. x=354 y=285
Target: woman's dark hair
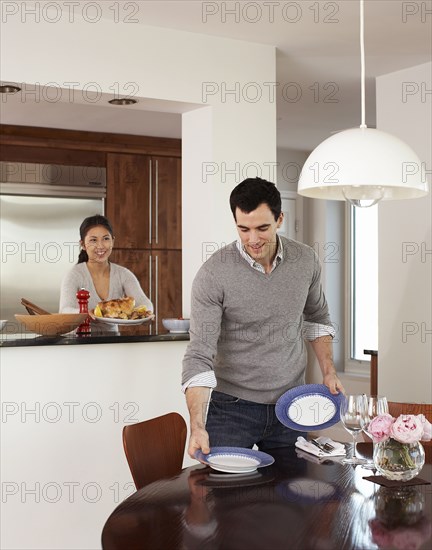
x=87 y=224
x=252 y=192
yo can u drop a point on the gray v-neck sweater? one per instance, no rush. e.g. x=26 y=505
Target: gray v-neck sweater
x=247 y=325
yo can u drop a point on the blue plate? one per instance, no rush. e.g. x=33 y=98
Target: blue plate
x=309 y=407
x=234 y=460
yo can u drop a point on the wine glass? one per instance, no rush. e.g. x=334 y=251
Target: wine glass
x=375 y=405
x=353 y=417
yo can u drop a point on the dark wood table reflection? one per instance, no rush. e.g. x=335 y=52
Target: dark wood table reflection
x=296 y=503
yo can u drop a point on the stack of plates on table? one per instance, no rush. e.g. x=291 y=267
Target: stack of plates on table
x=309 y=407
x=229 y=480
x=234 y=460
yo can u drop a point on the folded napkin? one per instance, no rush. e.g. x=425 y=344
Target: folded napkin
x=316 y=459
x=308 y=447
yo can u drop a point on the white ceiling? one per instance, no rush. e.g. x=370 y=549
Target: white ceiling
x=318 y=63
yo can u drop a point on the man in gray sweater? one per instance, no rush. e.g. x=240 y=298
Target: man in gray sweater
x=253 y=303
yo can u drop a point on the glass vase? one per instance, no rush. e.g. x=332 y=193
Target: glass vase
x=398 y=461
x=399 y=506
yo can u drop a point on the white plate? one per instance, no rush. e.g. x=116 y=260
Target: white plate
x=308 y=407
x=178 y=331
x=230 y=480
x=234 y=460
x=110 y=321
x=233 y=464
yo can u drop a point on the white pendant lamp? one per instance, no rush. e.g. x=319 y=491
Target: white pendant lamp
x=363 y=165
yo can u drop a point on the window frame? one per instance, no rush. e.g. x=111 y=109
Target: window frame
x=356 y=367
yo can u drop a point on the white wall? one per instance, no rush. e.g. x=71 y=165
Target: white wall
x=238 y=136
x=63 y=468
x=287 y=173
x=289 y=165
x=405 y=259
x=325 y=232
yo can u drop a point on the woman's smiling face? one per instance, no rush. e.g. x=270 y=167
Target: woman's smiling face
x=98 y=243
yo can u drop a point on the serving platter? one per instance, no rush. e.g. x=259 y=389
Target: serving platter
x=111 y=321
x=234 y=460
x=309 y=407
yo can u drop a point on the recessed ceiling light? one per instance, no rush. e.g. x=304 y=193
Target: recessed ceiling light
x=9 y=89
x=122 y=101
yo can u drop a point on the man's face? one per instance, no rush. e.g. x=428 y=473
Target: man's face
x=257 y=231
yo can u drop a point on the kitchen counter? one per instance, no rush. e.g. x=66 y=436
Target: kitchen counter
x=28 y=339
x=64 y=406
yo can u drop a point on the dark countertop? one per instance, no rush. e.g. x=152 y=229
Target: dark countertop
x=29 y=340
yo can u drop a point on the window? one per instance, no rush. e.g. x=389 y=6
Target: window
x=363 y=311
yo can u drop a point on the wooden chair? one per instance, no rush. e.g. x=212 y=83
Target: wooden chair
x=395 y=409
x=373 y=371
x=154 y=448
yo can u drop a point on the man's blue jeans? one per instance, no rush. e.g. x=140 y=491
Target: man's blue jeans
x=234 y=422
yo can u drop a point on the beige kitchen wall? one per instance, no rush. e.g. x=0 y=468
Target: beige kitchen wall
x=404 y=101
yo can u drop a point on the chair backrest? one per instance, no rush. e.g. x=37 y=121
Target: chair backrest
x=395 y=409
x=154 y=448
x=373 y=371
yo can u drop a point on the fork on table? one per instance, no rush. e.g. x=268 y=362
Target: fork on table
x=325 y=447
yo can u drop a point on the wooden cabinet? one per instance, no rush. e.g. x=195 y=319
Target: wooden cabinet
x=158 y=273
x=144 y=206
x=165 y=284
x=128 y=199
x=165 y=196
x=144 y=201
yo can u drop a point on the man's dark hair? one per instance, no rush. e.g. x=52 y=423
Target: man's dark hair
x=252 y=192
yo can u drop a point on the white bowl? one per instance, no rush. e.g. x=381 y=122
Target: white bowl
x=176 y=326
x=2 y=324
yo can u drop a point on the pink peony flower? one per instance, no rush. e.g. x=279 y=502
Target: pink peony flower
x=407 y=428
x=402 y=538
x=427 y=428
x=380 y=427
x=381 y=536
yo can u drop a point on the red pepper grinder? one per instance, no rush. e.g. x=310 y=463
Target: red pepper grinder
x=83 y=296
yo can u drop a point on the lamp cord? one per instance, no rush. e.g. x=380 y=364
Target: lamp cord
x=362 y=61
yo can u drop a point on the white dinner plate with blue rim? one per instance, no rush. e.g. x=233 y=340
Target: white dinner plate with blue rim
x=309 y=407
x=234 y=460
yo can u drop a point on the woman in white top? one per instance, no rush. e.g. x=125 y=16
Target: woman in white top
x=94 y=272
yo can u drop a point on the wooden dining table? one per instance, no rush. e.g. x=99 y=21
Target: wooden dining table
x=299 y=502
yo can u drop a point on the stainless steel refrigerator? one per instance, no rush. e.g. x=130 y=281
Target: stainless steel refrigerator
x=39 y=239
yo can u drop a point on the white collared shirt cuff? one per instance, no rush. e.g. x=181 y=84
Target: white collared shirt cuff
x=205 y=379
x=312 y=331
